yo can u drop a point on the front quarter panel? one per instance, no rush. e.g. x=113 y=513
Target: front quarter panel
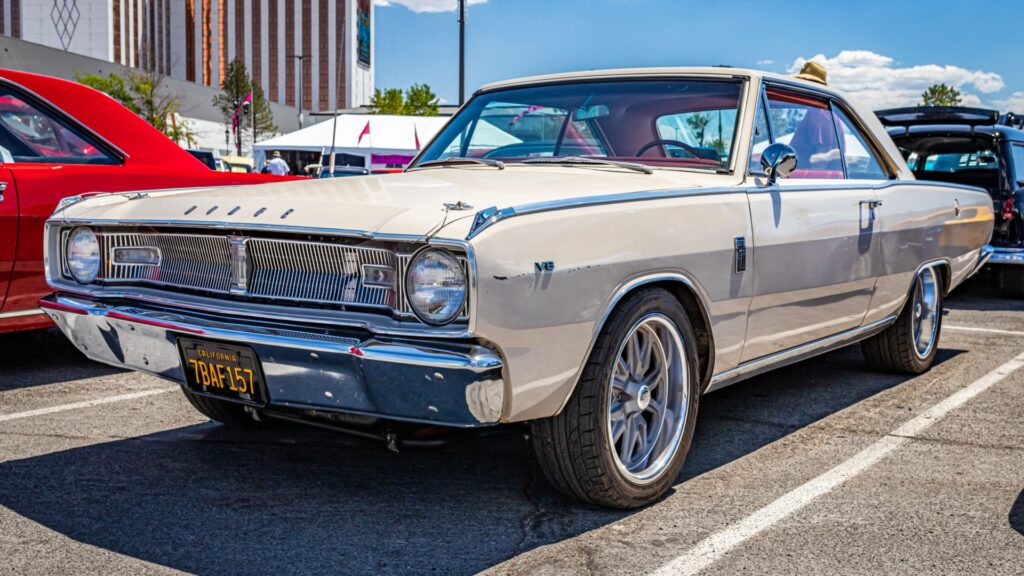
x=545 y=321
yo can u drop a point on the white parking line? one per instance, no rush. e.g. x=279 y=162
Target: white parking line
x=86 y=404
x=982 y=330
x=721 y=543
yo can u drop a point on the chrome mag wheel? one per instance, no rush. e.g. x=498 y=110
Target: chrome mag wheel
x=925 y=312
x=649 y=397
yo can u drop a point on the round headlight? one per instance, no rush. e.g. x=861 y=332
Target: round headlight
x=83 y=255
x=436 y=286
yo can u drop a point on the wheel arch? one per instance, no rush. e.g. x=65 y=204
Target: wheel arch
x=688 y=293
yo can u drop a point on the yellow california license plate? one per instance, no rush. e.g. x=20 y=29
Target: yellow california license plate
x=228 y=371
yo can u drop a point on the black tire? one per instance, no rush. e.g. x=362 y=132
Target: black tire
x=895 y=349
x=575 y=449
x=228 y=413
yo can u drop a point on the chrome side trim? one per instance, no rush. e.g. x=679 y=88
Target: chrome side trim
x=490 y=216
x=798 y=353
x=21 y=313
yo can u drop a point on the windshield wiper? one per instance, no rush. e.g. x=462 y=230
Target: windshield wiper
x=462 y=160
x=635 y=166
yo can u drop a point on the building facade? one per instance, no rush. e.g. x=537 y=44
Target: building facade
x=313 y=53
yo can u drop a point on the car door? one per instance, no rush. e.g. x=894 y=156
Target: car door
x=8 y=229
x=814 y=235
x=50 y=159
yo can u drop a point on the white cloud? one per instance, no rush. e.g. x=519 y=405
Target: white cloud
x=426 y=5
x=765 y=62
x=1013 y=103
x=876 y=80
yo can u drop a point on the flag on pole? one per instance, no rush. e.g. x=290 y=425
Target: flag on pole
x=365 y=132
x=237 y=116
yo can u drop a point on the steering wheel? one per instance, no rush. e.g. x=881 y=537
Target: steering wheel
x=661 y=142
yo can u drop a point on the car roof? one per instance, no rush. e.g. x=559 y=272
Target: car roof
x=99 y=113
x=619 y=73
x=1002 y=131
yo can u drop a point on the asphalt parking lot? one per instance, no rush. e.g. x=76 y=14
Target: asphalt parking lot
x=807 y=470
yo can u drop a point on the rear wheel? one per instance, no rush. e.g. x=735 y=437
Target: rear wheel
x=909 y=345
x=229 y=413
x=624 y=434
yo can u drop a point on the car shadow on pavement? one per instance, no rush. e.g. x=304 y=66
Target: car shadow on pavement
x=1017 y=514
x=210 y=499
x=982 y=293
x=40 y=357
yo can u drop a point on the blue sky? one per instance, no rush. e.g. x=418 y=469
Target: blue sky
x=884 y=52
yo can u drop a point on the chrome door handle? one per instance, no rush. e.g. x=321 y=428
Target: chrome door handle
x=872 y=203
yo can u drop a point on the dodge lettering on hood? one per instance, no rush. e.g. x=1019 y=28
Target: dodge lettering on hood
x=588 y=253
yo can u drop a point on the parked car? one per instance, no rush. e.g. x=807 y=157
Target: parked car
x=343 y=171
x=976 y=147
x=59 y=139
x=595 y=297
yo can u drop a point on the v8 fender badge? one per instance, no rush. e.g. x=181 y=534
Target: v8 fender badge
x=548 y=266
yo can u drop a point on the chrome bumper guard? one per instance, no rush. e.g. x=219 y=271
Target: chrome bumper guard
x=1003 y=255
x=450 y=383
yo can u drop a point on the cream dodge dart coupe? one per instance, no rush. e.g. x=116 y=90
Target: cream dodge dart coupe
x=587 y=252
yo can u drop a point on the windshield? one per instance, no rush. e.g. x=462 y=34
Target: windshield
x=668 y=123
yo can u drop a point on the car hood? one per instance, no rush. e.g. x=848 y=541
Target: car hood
x=411 y=203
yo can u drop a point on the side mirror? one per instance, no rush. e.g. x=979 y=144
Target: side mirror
x=778 y=160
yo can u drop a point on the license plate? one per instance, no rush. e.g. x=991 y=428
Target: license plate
x=227 y=371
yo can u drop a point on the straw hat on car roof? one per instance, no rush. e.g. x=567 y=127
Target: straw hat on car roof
x=813 y=72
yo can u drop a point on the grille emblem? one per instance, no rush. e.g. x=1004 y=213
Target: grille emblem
x=239 y=264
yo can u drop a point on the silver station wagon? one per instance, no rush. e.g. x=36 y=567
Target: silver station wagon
x=587 y=252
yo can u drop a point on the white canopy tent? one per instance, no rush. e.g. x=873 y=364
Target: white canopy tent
x=380 y=140
x=376 y=138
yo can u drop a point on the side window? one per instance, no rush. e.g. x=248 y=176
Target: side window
x=32 y=135
x=861 y=162
x=806 y=124
x=760 y=140
x=1018 y=163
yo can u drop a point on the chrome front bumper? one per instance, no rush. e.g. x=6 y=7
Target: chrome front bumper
x=1003 y=255
x=452 y=383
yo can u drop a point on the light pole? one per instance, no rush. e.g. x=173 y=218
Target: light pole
x=300 y=58
x=462 y=52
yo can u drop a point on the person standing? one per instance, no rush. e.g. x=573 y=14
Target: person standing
x=278 y=166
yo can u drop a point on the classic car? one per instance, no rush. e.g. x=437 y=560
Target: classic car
x=635 y=239
x=977 y=147
x=59 y=139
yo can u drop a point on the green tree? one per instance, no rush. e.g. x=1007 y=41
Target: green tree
x=418 y=100
x=940 y=95
x=698 y=123
x=234 y=88
x=390 y=101
x=143 y=93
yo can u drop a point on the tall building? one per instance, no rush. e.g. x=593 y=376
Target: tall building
x=316 y=51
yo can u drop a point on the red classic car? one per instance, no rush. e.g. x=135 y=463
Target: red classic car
x=61 y=139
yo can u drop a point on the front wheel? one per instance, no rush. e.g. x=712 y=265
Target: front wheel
x=623 y=436
x=909 y=345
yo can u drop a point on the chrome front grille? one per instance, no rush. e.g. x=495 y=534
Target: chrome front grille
x=186 y=260
x=269 y=269
x=317 y=272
